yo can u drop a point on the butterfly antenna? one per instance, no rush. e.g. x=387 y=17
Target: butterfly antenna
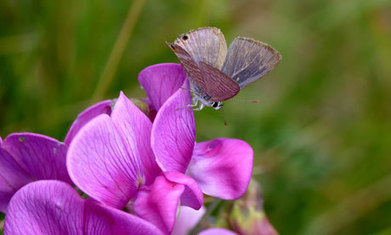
x=247 y=100
x=222 y=116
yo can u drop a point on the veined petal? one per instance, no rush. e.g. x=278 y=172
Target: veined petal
x=158 y=203
x=54 y=207
x=187 y=219
x=217 y=231
x=45 y=207
x=100 y=219
x=12 y=177
x=135 y=129
x=173 y=132
x=192 y=196
x=160 y=81
x=99 y=164
x=86 y=116
x=26 y=157
x=222 y=167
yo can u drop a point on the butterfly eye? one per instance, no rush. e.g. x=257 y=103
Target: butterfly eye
x=185 y=37
x=215 y=104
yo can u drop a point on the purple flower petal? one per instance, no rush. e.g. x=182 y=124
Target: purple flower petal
x=159 y=202
x=99 y=164
x=26 y=157
x=100 y=219
x=173 y=132
x=53 y=207
x=217 y=231
x=45 y=207
x=135 y=129
x=192 y=196
x=86 y=116
x=160 y=81
x=222 y=167
x=187 y=219
x=12 y=177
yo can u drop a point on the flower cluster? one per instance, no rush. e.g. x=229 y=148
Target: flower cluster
x=135 y=169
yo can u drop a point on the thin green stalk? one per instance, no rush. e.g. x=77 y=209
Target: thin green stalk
x=118 y=50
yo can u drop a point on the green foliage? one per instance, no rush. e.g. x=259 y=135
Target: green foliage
x=321 y=132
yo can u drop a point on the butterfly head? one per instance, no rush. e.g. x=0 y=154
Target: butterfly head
x=216 y=105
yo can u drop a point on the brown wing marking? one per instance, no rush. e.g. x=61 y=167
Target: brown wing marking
x=218 y=85
x=191 y=68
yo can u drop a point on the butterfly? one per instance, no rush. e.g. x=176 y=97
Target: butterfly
x=216 y=74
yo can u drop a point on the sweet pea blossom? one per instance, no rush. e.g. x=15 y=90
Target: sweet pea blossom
x=54 y=207
x=28 y=157
x=222 y=167
x=111 y=160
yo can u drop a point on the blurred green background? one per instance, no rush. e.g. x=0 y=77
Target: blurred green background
x=321 y=132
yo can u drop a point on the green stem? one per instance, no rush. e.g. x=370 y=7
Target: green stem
x=118 y=50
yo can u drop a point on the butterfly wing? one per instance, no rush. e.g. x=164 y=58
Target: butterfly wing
x=190 y=66
x=204 y=44
x=248 y=60
x=206 y=78
x=218 y=85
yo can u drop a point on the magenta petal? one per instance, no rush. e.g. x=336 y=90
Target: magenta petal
x=160 y=81
x=217 y=231
x=12 y=177
x=192 y=196
x=99 y=164
x=86 y=116
x=45 y=207
x=100 y=219
x=54 y=207
x=33 y=151
x=158 y=203
x=222 y=167
x=187 y=219
x=173 y=132
x=26 y=157
x=135 y=129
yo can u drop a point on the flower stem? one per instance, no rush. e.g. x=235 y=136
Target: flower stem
x=118 y=50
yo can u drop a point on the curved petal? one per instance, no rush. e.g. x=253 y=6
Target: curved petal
x=192 y=196
x=135 y=130
x=45 y=207
x=26 y=157
x=158 y=203
x=160 y=81
x=187 y=219
x=12 y=177
x=173 y=132
x=100 y=219
x=99 y=164
x=222 y=167
x=86 y=116
x=217 y=231
x=54 y=207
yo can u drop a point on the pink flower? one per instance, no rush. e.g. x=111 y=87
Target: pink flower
x=122 y=159
x=222 y=167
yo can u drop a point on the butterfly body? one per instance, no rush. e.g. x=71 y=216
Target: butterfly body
x=216 y=74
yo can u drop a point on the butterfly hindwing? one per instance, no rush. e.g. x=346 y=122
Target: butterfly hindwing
x=218 y=85
x=248 y=60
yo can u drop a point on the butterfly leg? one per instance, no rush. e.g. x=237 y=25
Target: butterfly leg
x=200 y=107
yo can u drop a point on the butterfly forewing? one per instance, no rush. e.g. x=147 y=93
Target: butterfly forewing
x=248 y=60
x=190 y=66
x=205 y=44
x=219 y=86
